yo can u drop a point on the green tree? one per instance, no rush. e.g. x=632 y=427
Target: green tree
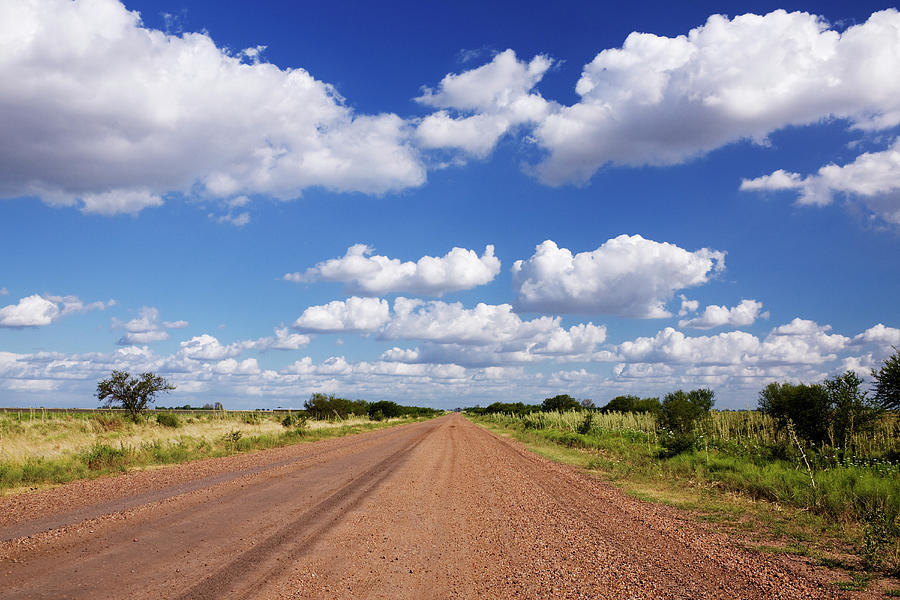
x=560 y=403
x=887 y=382
x=851 y=409
x=806 y=406
x=632 y=404
x=384 y=409
x=680 y=410
x=678 y=413
x=134 y=394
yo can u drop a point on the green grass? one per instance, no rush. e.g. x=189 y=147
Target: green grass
x=740 y=462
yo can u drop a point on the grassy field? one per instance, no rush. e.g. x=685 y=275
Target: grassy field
x=41 y=447
x=744 y=473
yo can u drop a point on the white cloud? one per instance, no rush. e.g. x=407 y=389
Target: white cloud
x=880 y=334
x=672 y=346
x=207 y=348
x=459 y=269
x=4 y=292
x=31 y=311
x=38 y=311
x=102 y=112
x=499 y=93
x=627 y=275
x=353 y=314
x=873 y=178
x=484 y=335
x=238 y=220
x=146 y=328
x=660 y=100
x=800 y=342
x=230 y=366
x=283 y=340
x=687 y=306
x=713 y=315
x=32 y=385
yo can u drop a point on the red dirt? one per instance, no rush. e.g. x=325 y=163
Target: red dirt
x=440 y=509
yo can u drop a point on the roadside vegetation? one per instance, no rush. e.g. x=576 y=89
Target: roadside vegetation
x=39 y=447
x=819 y=463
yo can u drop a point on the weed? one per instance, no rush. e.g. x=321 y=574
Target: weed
x=878 y=533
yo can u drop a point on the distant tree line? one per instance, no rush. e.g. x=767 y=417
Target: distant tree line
x=328 y=406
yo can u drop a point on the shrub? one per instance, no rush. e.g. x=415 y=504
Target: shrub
x=678 y=414
x=101 y=455
x=168 y=420
x=584 y=427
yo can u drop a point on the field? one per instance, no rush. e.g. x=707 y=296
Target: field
x=845 y=494
x=39 y=447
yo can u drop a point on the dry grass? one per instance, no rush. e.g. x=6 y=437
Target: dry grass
x=59 y=436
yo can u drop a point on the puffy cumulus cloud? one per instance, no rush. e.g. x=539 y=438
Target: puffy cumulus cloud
x=713 y=315
x=31 y=311
x=105 y=113
x=146 y=328
x=484 y=103
x=38 y=311
x=879 y=334
x=659 y=100
x=282 y=340
x=368 y=274
x=494 y=329
x=687 y=306
x=452 y=323
x=672 y=346
x=354 y=314
x=800 y=342
x=207 y=348
x=230 y=366
x=873 y=178
x=627 y=275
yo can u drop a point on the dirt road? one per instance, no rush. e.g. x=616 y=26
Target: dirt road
x=440 y=509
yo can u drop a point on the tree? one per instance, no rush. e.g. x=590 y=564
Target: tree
x=678 y=413
x=133 y=394
x=887 y=382
x=560 y=403
x=632 y=404
x=851 y=408
x=806 y=406
x=680 y=410
x=384 y=409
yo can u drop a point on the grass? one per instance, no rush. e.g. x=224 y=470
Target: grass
x=741 y=476
x=51 y=448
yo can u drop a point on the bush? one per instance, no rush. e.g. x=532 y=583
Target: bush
x=678 y=414
x=584 y=427
x=168 y=420
x=101 y=455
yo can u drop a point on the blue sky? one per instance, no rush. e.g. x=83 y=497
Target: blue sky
x=445 y=205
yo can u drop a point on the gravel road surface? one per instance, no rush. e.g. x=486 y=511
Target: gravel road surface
x=438 y=509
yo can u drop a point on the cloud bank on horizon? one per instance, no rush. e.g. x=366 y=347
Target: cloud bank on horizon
x=103 y=113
